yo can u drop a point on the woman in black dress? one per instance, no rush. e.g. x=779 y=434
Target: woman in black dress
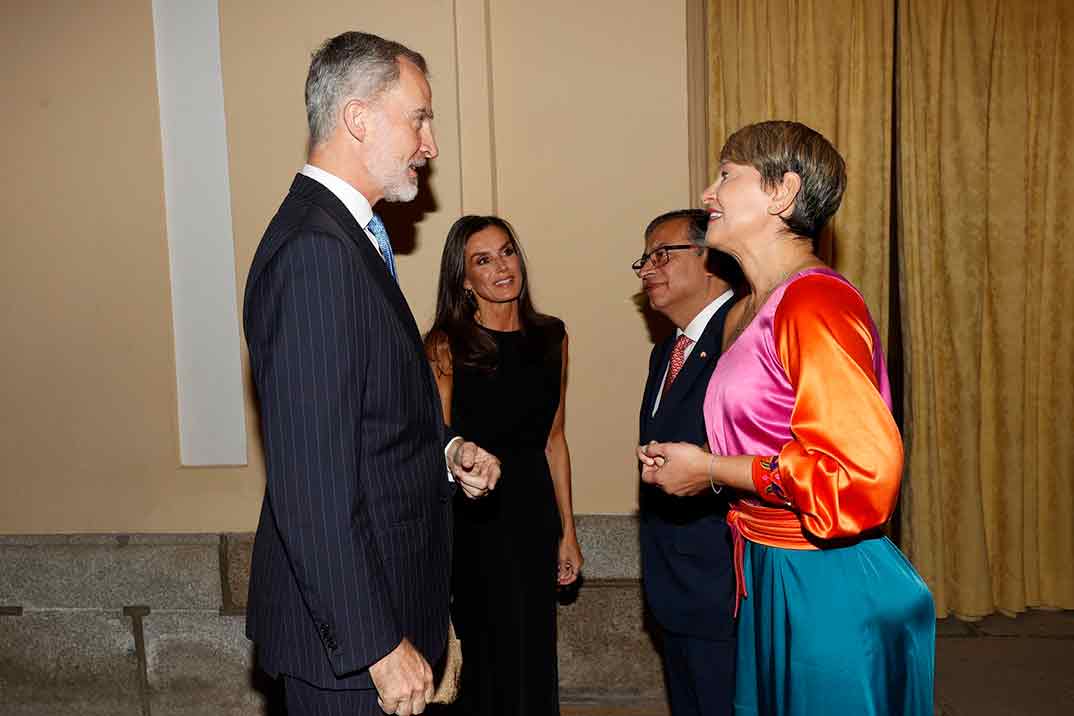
x=501 y=369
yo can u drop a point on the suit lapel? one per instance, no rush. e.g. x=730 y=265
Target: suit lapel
x=331 y=204
x=652 y=384
x=705 y=352
x=377 y=269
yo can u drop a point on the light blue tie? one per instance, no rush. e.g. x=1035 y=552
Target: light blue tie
x=376 y=227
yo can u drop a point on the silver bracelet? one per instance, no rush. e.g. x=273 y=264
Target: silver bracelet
x=716 y=489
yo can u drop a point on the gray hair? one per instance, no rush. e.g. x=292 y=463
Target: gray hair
x=353 y=65
x=717 y=262
x=698 y=223
x=777 y=147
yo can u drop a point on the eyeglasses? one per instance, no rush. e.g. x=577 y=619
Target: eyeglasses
x=658 y=256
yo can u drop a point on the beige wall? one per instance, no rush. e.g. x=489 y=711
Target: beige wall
x=567 y=118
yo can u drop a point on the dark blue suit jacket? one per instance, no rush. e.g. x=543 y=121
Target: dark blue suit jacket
x=352 y=551
x=685 y=543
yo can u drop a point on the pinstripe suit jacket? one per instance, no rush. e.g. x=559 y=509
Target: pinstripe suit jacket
x=352 y=551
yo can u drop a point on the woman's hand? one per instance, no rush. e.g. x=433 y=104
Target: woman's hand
x=570 y=561
x=679 y=469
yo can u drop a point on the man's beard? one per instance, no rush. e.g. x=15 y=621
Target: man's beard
x=395 y=180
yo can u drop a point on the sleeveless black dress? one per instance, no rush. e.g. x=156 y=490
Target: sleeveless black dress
x=506 y=544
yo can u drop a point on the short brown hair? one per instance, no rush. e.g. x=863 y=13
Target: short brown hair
x=777 y=147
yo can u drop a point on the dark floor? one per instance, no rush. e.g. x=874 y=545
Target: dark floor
x=1006 y=667
x=994 y=667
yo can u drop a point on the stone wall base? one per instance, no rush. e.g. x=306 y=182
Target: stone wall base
x=154 y=625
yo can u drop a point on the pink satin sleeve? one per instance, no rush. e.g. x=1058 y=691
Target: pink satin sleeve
x=841 y=472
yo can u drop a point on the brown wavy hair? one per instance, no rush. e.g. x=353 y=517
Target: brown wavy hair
x=455 y=323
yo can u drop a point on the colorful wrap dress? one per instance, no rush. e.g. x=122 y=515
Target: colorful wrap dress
x=833 y=619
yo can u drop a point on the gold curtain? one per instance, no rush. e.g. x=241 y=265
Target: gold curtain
x=985 y=107
x=827 y=64
x=986 y=192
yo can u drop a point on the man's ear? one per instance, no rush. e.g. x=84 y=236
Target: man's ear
x=356 y=115
x=706 y=262
x=784 y=194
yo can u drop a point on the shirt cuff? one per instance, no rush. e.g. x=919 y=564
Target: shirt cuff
x=447 y=462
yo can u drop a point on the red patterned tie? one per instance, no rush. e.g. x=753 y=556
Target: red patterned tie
x=678 y=357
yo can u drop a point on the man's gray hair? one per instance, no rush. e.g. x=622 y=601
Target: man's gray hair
x=354 y=65
x=698 y=223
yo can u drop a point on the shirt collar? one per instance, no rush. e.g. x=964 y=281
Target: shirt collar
x=356 y=204
x=696 y=327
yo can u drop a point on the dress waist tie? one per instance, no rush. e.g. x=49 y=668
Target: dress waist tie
x=769 y=526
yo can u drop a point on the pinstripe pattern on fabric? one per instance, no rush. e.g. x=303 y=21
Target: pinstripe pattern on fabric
x=305 y=700
x=352 y=551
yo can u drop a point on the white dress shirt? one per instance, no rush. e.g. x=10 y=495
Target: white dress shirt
x=356 y=204
x=693 y=331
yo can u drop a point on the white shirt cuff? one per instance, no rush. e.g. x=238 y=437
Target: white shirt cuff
x=447 y=462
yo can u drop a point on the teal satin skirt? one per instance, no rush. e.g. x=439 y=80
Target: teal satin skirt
x=845 y=631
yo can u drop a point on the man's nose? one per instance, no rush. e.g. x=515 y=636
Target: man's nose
x=428 y=144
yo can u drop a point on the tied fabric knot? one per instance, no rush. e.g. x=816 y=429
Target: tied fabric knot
x=738 y=557
x=376 y=227
x=678 y=358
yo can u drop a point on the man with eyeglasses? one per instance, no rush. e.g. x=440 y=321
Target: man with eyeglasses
x=686 y=546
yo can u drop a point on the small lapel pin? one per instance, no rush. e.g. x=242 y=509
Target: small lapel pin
x=703 y=355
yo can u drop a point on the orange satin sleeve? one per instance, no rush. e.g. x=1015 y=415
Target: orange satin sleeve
x=841 y=472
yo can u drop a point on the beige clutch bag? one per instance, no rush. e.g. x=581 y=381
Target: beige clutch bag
x=447 y=690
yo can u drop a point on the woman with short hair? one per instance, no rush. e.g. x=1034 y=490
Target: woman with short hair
x=832 y=617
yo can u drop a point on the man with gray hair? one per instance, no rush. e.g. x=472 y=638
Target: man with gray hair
x=349 y=579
